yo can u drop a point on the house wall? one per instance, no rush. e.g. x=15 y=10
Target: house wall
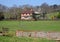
x=26 y=16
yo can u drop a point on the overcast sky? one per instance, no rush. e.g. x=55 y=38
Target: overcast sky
x=10 y=3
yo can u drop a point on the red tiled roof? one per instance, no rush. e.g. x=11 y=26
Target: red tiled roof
x=27 y=12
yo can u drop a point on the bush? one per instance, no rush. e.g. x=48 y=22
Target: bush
x=5 y=31
x=58 y=16
x=1 y=16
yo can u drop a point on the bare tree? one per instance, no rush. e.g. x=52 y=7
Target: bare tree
x=44 y=9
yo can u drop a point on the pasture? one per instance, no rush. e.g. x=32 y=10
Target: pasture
x=23 y=39
x=31 y=25
x=28 y=25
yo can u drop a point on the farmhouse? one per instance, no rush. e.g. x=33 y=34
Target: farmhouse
x=27 y=15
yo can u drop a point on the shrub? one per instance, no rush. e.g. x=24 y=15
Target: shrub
x=58 y=16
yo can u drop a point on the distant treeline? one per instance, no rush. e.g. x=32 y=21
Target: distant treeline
x=14 y=12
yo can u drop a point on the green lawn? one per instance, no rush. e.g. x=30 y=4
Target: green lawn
x=28 y=25
x=31 y=25
x=23 y=39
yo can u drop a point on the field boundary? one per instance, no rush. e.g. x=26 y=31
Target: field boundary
x=39 y=34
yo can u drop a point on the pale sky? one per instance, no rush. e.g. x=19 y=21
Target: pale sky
x=10 y=3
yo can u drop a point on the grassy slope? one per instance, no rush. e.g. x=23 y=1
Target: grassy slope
x=50 y=15
x=31 y=25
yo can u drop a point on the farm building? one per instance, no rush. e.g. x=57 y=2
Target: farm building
x=27 y=14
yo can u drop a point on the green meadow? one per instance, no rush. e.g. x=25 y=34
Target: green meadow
x=31 y=25
x=23 y=39
x=28 y=25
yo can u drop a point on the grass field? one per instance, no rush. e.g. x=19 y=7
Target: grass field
x=28 y=25
x=31 y=25
x=23 y=39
